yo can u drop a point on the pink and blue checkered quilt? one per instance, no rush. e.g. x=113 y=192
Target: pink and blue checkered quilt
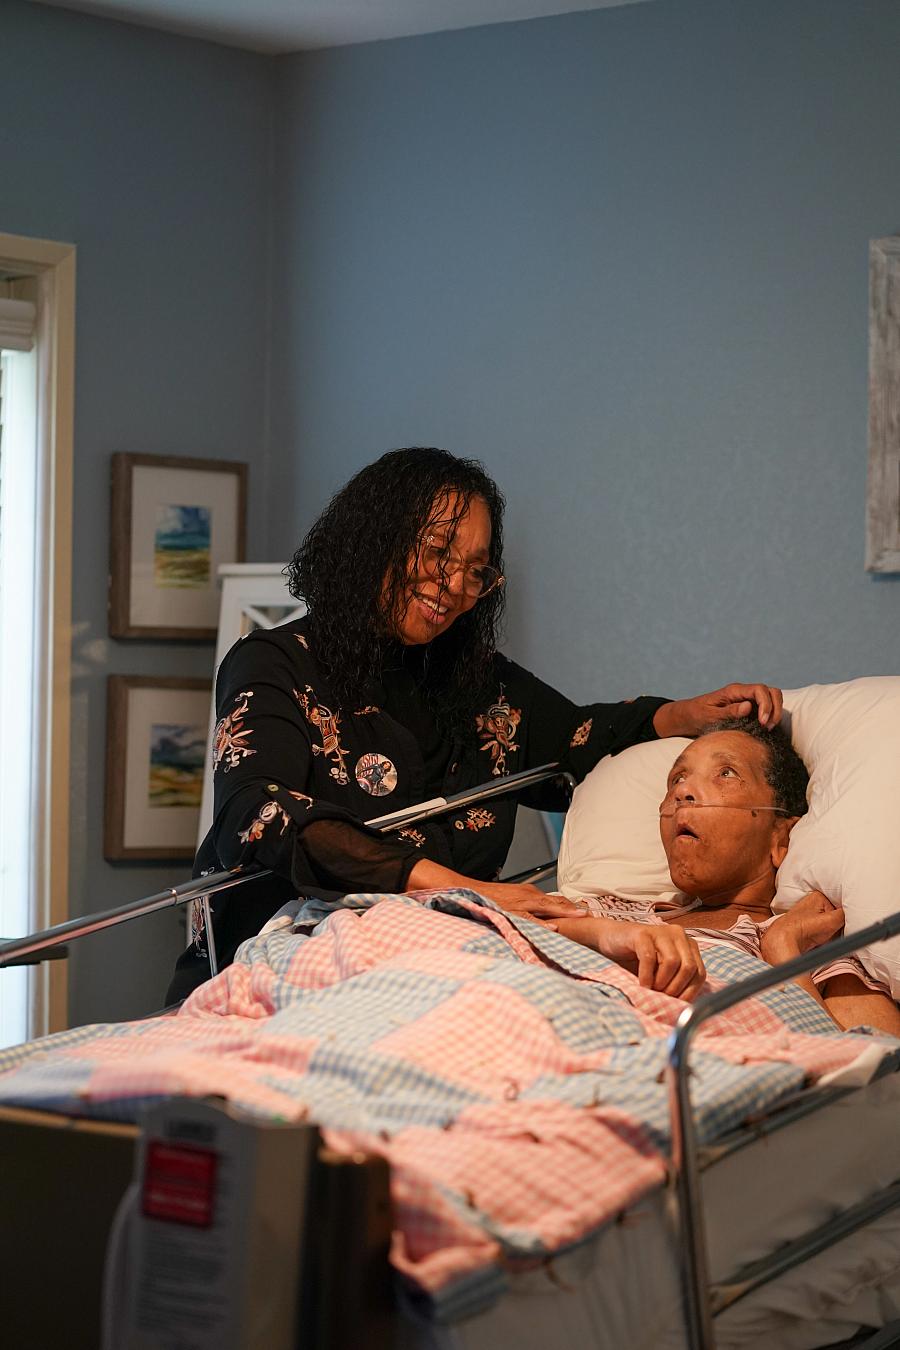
x=512 y=1078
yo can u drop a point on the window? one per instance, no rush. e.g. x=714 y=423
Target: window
x=18 y=483
x=37 y=290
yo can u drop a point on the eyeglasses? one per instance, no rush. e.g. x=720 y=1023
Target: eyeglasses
x=437 y=559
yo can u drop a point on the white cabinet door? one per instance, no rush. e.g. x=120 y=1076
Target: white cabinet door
x=254 y=595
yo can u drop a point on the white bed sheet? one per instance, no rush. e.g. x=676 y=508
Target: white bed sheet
x=621 y=1289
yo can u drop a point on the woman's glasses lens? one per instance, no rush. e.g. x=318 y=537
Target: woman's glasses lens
x=478 y=578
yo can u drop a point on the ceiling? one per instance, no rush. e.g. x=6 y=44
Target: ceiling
x=274 y=26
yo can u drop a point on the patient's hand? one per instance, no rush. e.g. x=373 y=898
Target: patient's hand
x=689 y=716
x=813 y=921
x=663 y=958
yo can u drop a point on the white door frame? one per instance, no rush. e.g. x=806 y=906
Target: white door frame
x=53 y=265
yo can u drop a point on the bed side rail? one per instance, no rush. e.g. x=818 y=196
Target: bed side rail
x=700 y=1300
x=204 y=887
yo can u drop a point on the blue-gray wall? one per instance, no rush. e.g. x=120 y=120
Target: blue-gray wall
x=622 y=256
x=619 y=255
x=150 y=153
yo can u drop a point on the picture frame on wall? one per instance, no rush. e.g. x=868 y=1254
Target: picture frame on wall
x=883 y=482
x=174 y=521
x=156 y=744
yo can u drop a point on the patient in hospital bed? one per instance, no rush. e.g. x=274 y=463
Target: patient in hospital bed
x=732 y=798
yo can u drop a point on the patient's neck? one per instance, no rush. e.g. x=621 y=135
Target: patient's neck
x=720 y=909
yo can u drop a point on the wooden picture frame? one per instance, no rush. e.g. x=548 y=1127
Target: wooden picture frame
x=883 y=487
x=156 y=746
x=173 y=523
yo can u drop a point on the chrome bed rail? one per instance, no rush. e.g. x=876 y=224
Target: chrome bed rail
x=703 y=1301
x=202 y=888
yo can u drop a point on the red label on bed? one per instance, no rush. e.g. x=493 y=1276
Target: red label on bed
x=179 y=1183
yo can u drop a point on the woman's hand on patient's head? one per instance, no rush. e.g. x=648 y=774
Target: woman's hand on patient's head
x=689 y=716
x=663 y=957
x=813 y=921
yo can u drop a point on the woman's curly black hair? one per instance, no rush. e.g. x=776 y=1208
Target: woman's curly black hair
x=353 y=567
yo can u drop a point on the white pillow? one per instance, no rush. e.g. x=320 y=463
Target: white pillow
x=610 y=842
x=847 y=846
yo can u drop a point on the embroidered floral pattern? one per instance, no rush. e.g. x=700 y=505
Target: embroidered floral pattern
x=414 y=836
x=364 y=712
x=497 y=727
x=301 y=797
x=268 y=812
x=302 y=640
x=328 y=725
x=477 y=818
x=230 y=736
x=581 y=734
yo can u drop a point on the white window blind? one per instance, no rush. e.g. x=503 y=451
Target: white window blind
x=16 y=324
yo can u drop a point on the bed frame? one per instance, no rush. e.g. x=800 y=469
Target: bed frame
x=702 y=1300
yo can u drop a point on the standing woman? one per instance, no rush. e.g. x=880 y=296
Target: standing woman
x=390 y=692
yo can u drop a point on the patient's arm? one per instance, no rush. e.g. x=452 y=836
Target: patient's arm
x=812 y=921
x=665 y=959
x=852 y=1004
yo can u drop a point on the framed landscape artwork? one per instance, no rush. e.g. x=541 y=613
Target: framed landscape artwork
x=156 y=738
x=173 y=523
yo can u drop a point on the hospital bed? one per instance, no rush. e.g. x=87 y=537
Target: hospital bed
x=783 y=1232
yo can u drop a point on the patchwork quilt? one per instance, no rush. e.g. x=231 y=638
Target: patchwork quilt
x=512 y=1078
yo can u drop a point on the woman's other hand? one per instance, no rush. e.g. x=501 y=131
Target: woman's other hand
x=813 y=921
x=689 y=716
x=663 y=958
x=526 y=900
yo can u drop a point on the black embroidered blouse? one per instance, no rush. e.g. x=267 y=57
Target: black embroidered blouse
x=295 y=777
